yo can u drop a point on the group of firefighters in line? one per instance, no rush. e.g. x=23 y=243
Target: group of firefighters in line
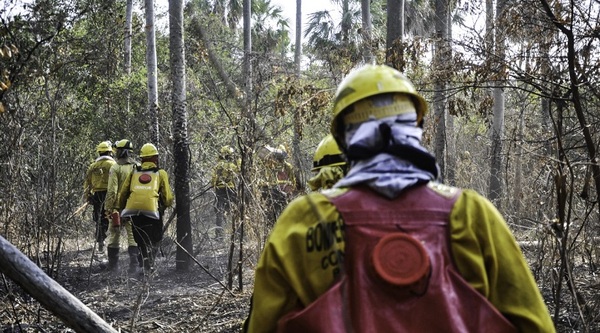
x=130 y=196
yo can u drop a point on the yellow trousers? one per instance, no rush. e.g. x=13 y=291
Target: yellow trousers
x=114 y=237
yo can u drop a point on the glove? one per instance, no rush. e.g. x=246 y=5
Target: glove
x=116 y=219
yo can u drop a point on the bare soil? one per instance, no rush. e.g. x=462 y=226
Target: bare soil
x=166 y=301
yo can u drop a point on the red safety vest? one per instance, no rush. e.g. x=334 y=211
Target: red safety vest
x=398 y=272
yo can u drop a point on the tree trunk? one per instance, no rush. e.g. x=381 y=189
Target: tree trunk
x=127 y=53
x=48 y=292
x=394 y=52
x=231 y=87
x=365 y=6
x=152 y=72
x=247 y=117
x=180 y=134
x=297 y=154
x=450 y=134
x=496 y=178
x=298 y=48
x=346 y=21
x=439 y=99
x=576 y=98
x=518 y=188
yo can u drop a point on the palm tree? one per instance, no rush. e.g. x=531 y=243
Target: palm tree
x=228 y=12
x=320 y=30
x=331 y=42
x=266 y=15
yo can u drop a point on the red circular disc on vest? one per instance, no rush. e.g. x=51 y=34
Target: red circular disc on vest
x=145 y=178
x=400 y=260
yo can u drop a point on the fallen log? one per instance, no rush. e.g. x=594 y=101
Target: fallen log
x=48 y=292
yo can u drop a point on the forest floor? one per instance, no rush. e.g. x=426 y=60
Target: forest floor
x=198 y=301
x=166 y=301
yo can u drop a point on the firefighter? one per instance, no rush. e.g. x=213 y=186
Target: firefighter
x=144 y=196
x=117 y=175
x=94 y=189
x=329 y=165
x=389 y=249
x=224 y=181
x=277 y=185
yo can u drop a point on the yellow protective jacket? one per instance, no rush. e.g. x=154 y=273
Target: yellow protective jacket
x=145 y=192
x=326 y=178
x=278 y=174
x=224 y=174
x=117 y=175
x=301 y=259
x=96 y=177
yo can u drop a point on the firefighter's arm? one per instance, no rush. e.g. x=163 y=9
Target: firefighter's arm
x=166 y=194
x=288 y=275
x=111 y=203
x=214 y=178
x=272 y=297
x=124 y=192
x=488 y=257
x=291 y=175
x=87 y=185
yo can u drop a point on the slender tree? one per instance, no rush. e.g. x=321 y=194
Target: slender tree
x=440 y=65
x=152 y=72
x=297 y=115
x=180 y=134
x=346 y=20
x=394 y=52
x=497 y=132
x=128 y=24
x=298 y=46
x=450 y=162
x=367 y=31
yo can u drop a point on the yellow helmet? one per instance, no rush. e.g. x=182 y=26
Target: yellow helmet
x=123 y=144
x=328 y=153
x=371 y=80
x=103 y=147
x=282 y=149
x=226 y=151
x=148 y=150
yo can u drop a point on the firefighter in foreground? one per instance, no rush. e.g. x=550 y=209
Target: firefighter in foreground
x=329 y=165
x=94 y=188
x=144 y=196
x=118 y=173
x=388 y=249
